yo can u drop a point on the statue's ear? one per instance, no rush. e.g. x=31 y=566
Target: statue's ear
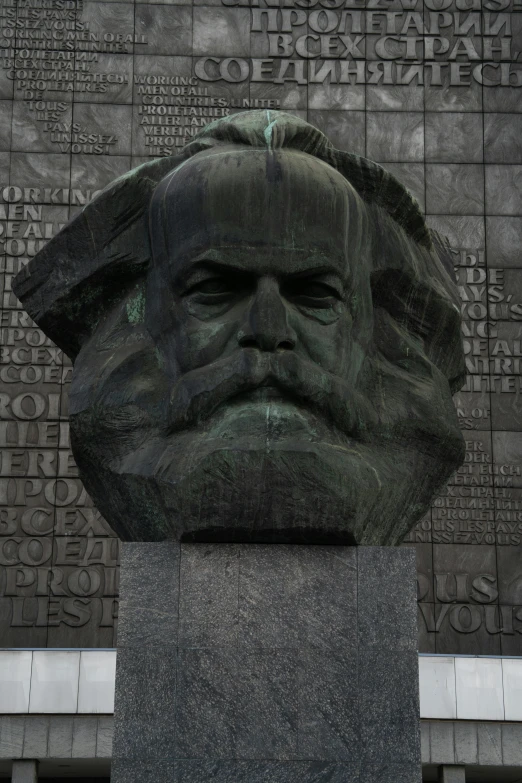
x=94 y=260
x=425 y=301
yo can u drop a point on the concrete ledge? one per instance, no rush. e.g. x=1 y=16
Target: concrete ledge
x=471 y=743
x=468 y=743
x=57 y=737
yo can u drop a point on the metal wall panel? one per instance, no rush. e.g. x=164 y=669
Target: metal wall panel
x=429 y=88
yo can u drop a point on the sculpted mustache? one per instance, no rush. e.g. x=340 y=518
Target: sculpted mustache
x=198 y=393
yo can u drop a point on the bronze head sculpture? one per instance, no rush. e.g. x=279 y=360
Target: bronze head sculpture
x=266 y=338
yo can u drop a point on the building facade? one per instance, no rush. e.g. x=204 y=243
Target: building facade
x=431 y=89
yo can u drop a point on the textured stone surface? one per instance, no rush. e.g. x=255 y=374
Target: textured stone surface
x=11 y=737
x=384 y=598
x=146 y=701
x=442 y=742
x=149 y=615
x=455 y=188
x=144 y=770
x=60 y=736
x=213 y=623
x=284 y=689
x=24 y=772
x=503 y=192
x=36 y=737
x=454 y=136
x=84 y=738
x=388 y=699
x=453 y=774
x=396 y=136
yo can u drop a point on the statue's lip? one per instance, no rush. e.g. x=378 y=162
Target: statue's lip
x=262 y=394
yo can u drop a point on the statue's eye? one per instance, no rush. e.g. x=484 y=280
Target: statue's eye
x=216 y=287
x=213 y=285
x=212 y=290
x=318 y=290
x=310 y=293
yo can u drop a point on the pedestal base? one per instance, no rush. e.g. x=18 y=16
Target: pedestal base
x=266 y=664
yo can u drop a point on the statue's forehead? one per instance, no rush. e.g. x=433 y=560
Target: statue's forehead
x=279 y=198
x=275 y=171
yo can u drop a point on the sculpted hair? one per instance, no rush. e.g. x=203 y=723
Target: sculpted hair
x=95 y=261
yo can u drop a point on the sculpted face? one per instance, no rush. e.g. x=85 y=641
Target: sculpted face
x=259 y=299
x=278 y=367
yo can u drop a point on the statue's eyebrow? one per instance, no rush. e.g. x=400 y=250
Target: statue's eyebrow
x=207 y=261
x=316 y=271
x=315 y=263
x=207 y=256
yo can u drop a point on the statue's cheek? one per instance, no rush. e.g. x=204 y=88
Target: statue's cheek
x=203 y=312
x=320 y=315
x=329 y=345
x=197 y=344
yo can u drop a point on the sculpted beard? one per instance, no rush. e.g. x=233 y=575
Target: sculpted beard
x=197 y=397
x=389 y=454
x=199 y=393
x=170 y=408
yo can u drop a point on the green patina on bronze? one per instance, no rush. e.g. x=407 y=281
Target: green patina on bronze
x=136 y=308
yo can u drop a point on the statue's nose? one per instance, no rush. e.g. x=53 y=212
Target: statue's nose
x=266 y=325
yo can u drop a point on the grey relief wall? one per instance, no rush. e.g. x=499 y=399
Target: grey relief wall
x=429 y=88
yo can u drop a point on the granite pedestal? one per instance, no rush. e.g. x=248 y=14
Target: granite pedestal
x=266 y=664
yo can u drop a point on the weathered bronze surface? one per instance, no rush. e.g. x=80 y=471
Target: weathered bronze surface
x=265 y=339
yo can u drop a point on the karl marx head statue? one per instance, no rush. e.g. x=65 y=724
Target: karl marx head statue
x=266 y=338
